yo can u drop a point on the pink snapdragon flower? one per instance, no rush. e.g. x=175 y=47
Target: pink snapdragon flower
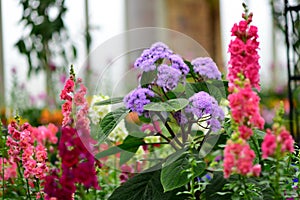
x=10 y=168
x=45 y=134
x=244 y=106
x=243 y=53
x=277 y=138
x=238 y=158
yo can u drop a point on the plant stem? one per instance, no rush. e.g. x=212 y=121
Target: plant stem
x=276 y=182
x=170 y=131
x=204 y=139
x=258 y=152
x=22 y=179
x=153 y=143
x=245 y=188
x=28 y=189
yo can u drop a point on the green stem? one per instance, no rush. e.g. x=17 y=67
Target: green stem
x=28 y=189
x=276 y=182
x=204 y=139
x=258 y=151
x=245 y=188
x=170 y=131
x=22 y=179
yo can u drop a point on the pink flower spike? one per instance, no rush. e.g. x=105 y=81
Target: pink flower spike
x=269 y=144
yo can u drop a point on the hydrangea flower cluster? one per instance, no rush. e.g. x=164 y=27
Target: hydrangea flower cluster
x=137 y=99
x=243 y=53
x=168 y=77
x=243 y=101
x=179 y=64
x=201 y=105
x=149 y=56
x=152 y=59
x=206 y=68
x=76 y=146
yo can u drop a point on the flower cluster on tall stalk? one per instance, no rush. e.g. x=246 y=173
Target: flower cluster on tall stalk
x=27 y=151
x=277 y=143
x=243 y=76
x=76 y=147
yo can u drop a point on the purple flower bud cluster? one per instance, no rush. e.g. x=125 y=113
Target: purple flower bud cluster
x=202 y=104
x=168 y=77
x=137 y=99
x=147 y=60
x=178 y=63
x=206 y=67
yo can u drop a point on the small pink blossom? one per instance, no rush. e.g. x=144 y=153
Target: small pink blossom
x=256 y=169
x=280 y=138
x=287 y=141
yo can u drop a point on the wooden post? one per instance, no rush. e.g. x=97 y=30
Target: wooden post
x=199 y=20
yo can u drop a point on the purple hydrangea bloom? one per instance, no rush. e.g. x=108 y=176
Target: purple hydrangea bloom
x=160 y=50
x=137 y=99
x=178 y=63
x=167 y=77
x=147 y=60
x=202 y=104
x=206 y=67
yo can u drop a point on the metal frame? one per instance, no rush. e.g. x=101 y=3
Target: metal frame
x=292 y=36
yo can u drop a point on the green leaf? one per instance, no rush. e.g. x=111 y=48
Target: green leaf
x=216 y=88
x=145 y=186
x=193 y=88
x=215 y=92
x=174 y=174
x=110 y=121
x=110 y=101
x=130 y=144
x=148 y=77
x=170 y=105
x=216 y=185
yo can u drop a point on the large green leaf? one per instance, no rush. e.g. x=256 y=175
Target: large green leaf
x=130 y=144
x=216 y=185
x=174 y=174
x=110 y=101
x=110 y=121
x=148 y=77
x=170 y=105
x=145 y=186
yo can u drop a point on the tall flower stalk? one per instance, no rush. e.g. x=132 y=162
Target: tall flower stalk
x=243 y=100
x=276 y=144
x=76 y=147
